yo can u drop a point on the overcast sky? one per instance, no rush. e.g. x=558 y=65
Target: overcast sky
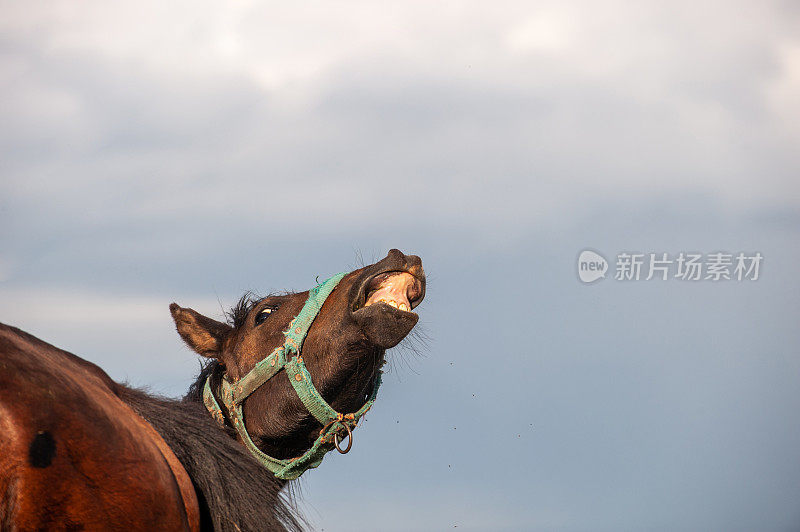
x=188 y=151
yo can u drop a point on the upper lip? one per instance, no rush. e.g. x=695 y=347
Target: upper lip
x=361 y=296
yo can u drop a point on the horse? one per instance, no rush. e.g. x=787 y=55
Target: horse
x=83 y=452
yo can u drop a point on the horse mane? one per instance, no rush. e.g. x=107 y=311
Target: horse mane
x=235 y=492
x=236 y=315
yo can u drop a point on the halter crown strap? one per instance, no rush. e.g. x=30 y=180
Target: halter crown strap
x=288 y=357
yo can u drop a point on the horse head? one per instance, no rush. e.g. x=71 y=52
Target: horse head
x=368 y=311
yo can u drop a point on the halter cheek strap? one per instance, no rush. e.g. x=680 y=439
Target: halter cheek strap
x=288 y=357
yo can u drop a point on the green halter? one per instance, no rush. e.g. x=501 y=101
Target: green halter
x=288 y=357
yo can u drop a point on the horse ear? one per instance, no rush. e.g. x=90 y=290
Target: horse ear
x=202 y=334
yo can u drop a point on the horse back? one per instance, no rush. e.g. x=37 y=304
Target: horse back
x=74 y=456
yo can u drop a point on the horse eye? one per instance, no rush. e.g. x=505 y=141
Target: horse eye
x=261 y=316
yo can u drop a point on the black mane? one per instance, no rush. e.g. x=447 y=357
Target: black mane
x=211 y=368
x=238 y=313
x=234 y=491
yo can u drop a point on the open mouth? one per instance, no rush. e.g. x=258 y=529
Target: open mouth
x=385 y=297
x=397 y=289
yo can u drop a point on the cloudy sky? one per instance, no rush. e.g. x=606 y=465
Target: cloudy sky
x=188 y=151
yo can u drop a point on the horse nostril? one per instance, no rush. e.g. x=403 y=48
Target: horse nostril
x=414 y=263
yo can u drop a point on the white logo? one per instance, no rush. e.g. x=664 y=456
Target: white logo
x=684 y=266
x=591 y=266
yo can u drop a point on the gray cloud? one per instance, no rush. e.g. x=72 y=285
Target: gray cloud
x=552 y=95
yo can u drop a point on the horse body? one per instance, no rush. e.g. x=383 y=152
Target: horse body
x=60 y=419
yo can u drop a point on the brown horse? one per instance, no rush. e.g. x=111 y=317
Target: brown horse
x=82 y=452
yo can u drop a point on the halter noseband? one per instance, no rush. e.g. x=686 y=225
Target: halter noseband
x=288 y=357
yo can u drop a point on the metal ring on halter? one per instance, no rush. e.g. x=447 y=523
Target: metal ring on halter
x=349 y=440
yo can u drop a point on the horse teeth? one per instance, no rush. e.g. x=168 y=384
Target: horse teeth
x=392 y=303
